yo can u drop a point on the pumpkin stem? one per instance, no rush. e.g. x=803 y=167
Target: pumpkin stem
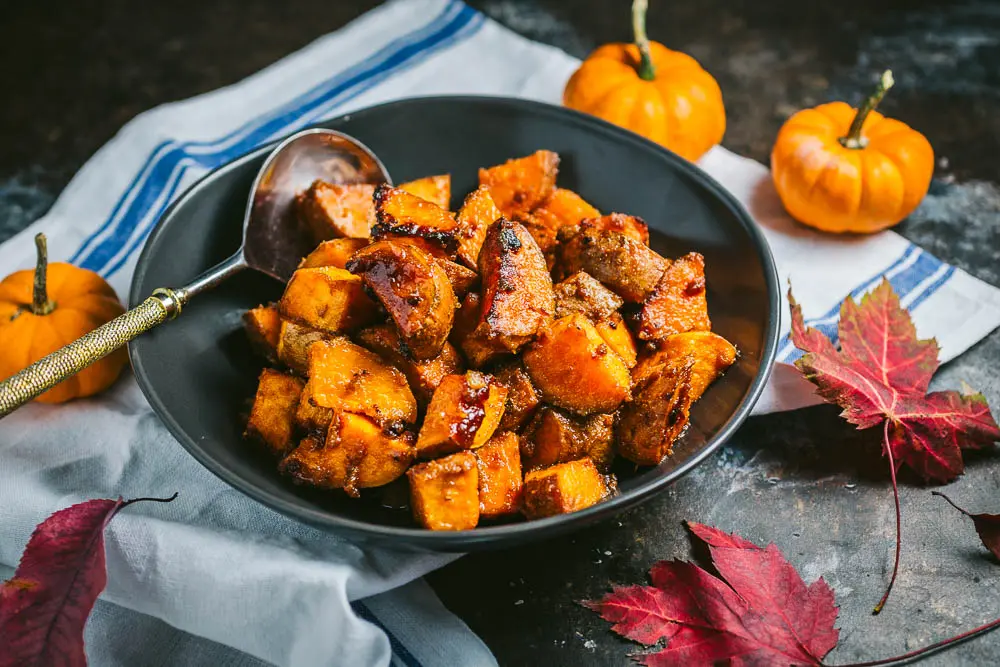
x=646 y=70
x=40 y=304
x=854 y=138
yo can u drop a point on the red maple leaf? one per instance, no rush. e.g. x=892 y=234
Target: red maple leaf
x=759 y=613
x=45 y=606
x=880 y=375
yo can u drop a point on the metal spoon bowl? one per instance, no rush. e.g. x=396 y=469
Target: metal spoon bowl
x=273 y=243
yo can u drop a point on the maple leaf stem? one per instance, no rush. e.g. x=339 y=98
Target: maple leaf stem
x=149 y=499
x=975 y=632
x=952 y=503
x=899 y=528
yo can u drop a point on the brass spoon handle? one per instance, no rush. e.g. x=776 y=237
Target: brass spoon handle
x=47 y=372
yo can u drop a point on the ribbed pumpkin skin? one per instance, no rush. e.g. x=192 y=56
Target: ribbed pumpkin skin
x=828 y=186
x=681 y=108
x=83 y=302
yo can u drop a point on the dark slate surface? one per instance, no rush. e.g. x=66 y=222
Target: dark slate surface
x=803 y=480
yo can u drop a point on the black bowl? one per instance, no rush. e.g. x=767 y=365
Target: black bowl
x=199 y=374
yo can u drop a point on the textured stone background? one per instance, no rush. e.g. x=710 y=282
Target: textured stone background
x=803 y=480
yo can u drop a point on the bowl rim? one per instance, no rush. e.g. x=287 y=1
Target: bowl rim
x=507 y=533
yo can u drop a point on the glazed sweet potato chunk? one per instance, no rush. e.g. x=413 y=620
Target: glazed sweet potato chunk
x=272 y=418
x=328 y=299
x=627 y=267
x=616 y=334
x=311 y=417
x=399 y=213
x=467 y=336
x=462 y=279
x=568 y=208
x=356 y=454
x=444 y=494
x=517 y=296
x=541 y=229
x=463 y=414
x=334 y=252
x=347 y=377
x=631 y=226
x=476 y=215
x=413 y=289
x=555 y=436
x=678 y=303
x=500 y=481
x=564 y=488
x=435 y=189
x=293 y=345
x=263 y=327
x=331 y=211
x=712 y=355
x=584 y=294
x=522 y=184
x=652 y=421
x=522 y=397
x=573 y=368
x=423 y=376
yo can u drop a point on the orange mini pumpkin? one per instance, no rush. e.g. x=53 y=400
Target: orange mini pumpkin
x=44 y=309
x=662 y=94
x=845 y=170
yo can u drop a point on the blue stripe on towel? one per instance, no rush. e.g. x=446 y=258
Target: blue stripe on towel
x=399 y=651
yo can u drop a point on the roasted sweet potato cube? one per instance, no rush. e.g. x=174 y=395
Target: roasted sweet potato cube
x=616 y=334
x=712 y=355
x=263 y=327
x=522 y=184
x=500 y=480
x=564 y=488
x=462 y=279
x=542 y=228
x=631 y=226
x=658 y=413
x=554 y=436
x=399 y=213
x=476 y=215
x=331 y=211
x=573 y=368
x=328 y=299
x=522 y=397
x=463 y=414
x=356 y=454
x=272 y=418
x=466 y=335
x=678 y=303
x=626 y=266
x=423 y=376
x=334 y=252
x=444 y=494
x=309 y=416
x=413 y=289
x=349 y=378
x=293 y=346
x=568 y=208
x=517 y=296
x=435 y=189
x=584 y=294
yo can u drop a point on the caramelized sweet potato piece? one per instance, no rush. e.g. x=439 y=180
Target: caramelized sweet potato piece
x=347 y=377
x=554 y=436
x=564 y=488
x=500 y=480
x=616 y=334
x=522 y=398
x=649 y=425
x=522 y=184
x=413 y=289
x=357 y=454
x=463 y=414
x=678 y=303
x=423 y=376
x=564 y=207
x=334 y=252
x=272 y=418
x=517 y=296
x=435 y=189
x=712 y=355
x=478 y=350
x=574 y=368
x=626 y=266
x=584 y=294
x=399 y=213
x=477 y=214
x=631 y=226
x=328 y=299
x=461 y=278
x=309 y=416
x=263 y=327
x=330 y=211
x=541 y=229
x=444 y=494
x=293 y=345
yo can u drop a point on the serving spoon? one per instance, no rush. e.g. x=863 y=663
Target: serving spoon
x=273 y=243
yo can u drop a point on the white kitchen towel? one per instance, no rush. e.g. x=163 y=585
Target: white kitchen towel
x=245 y=581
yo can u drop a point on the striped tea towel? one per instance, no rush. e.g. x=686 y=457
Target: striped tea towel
x=216 y=579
